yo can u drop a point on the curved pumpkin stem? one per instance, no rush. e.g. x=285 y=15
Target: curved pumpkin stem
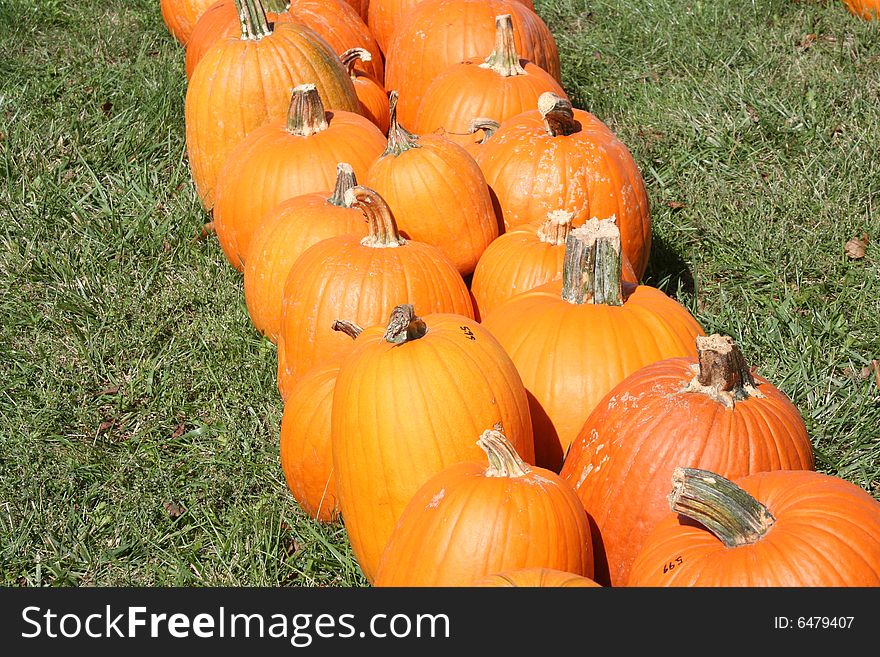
x=351 y=56
x=730 y=513
x=351 y=329
x=254 y=23
x=383 y=227
x=558 y=115
x=723 y=372
x=306 y=115
x=504 y=60
x=593 y=265
x=400 y=139
x=504 y=461
x=345 y=180
x=556 y=227
x=404 y=325
x=487 y=125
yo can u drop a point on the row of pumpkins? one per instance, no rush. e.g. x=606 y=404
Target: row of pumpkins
x=447 y=254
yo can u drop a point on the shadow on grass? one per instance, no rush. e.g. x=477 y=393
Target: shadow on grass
x=668 y=271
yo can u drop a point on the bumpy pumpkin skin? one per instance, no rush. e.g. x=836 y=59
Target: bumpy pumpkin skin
x=402 y=413
x=180 y=16
x=866 y=9
x=241 y=84
x=622 y=460
x=439 y=33
x=536 y=578
x=827 y=534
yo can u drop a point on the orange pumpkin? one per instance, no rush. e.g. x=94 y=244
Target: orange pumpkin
x=557 y=157
x=536 y=578
x=180 y=16
x=866 y=9
x=406 y=405
x=576 y=338
x=286 y=231
x=305 y=447
x=361 y=7
x=371 y=94
x=498 y=88
x=360 y=279
x=437 y=193
x=469 y=521
x=706 y=412
x=288 y=156
x=335 y=22
x=439 y=33
x=244 y=81
x=791 y=528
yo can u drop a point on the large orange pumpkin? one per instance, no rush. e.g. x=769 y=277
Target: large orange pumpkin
x=335 y=21
x=180 y=16
x=439 y=33
x=361 y=280
x=866 y=9
x=469 y=521
x=498 y=88
x=791 y=528
x=437 y=193
x=557 y=157
x=705 y=412
x=371 y=94
x=575 y=338
x=536 y=578
x=288 y=156
x=286 y=231
x=242 y=82
x=407 y=404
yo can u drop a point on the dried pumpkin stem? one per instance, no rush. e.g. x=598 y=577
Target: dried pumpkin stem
x=592 y=267
x=404 y=325
x=351 y=329
x=558 y=115
x=487 y=125
x=345 y=180
x=504 y=461
x=556 y=227
x=276 y=6
x=351 y=56
x=730 y=513
x=504 y=60
x=723 y=373
x=252 y=16
x=306 y=115
x=383 y=228
x=399 y=138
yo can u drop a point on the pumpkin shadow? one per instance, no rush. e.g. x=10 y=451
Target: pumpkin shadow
x=668 y=271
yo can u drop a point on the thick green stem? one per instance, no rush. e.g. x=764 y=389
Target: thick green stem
x=504 y=461
x=383 y=227
x=504 y=60
x=350 y=59
x=351 y=329
x=254 y=23
x=592 y=268
x=399 y=138
x=306 y=115
x=723 y=373
x=404 y=325
x=558 y=115
x=345 y=180
x=730 y=513
x=556 y=227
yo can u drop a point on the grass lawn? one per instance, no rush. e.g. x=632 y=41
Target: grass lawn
x=139 y=416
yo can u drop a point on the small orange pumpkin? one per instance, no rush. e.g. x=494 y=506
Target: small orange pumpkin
x=180 y=16
x=371 y=94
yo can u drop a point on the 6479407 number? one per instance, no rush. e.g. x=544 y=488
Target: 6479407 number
x=813 y=622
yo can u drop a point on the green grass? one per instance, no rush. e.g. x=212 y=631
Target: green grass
x=131 y=378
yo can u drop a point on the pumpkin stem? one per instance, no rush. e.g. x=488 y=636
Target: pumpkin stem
x=504 y=461
x=351 y=329
x=504 y=60
x=730 y=513
x=558 y=115
x=276 y=6
x=399 y=138
x=252 y=16
x=556 y=227
x=345 y=180
x=306 y=115
x=722 y=373
x=487 y=125
x=351 y=56
x=404 y=325
x=593 y=265
x=383 y=227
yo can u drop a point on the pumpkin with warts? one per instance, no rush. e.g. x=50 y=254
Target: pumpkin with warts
x=536 y=578
x=575 y=338
x=448 y=534
x=245 y=81
x=437 y=193
x=181 y=16
x=286 y=231
x=361 y=279
x=707 y=412
x=286 y=157
x=370 y=93
x=407 y=404
x=557 y=157
x=783 y=528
